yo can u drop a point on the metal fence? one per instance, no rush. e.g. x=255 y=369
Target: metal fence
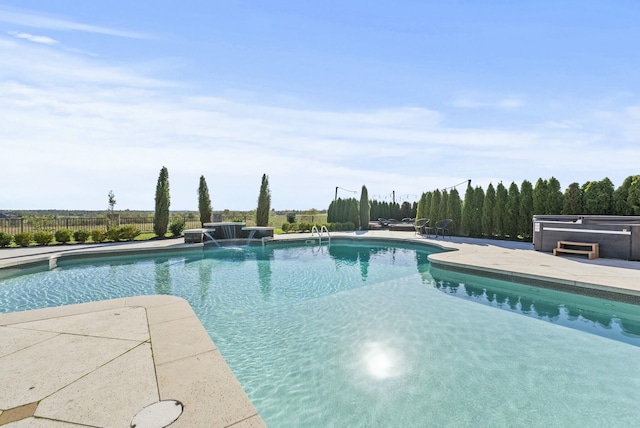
x=20 y=224
x=144 y=223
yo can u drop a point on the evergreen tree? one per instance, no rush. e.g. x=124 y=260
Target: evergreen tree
x=161 y=216
x=621 y=202
x=633 y=198
x=540 y=197
x=373 y=212
x=364 y=208
x=500 y=210
x=427 y=208
x=597 y=197
x=354 y=213
x=467 y=212
x=444 y=201
x=395 y=210
x=434 y=213
x=422 y=205
x=511 y=228
x=572 y=200
x=204 y=202
x=478 y=202
x=264 y=203
x=405 y=210
x=414 y=209
x=331 y=212
x=454 y=210
x=487 y=211
x=525 y=212
x=555 y=198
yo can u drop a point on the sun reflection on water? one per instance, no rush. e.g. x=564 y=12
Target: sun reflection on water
x=381 y=361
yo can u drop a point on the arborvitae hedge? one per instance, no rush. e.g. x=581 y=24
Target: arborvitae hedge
x=487 y=211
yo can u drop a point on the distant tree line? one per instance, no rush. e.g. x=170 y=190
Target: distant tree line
x=501 y=212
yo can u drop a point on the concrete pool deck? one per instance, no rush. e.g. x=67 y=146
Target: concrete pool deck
x=98 y=364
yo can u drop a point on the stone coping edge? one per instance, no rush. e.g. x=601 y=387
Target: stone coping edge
x=188 y=366
x=575 y=287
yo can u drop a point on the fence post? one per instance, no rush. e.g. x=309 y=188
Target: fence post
x=21 y=225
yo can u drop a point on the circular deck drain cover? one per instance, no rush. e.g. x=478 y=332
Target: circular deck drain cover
x=157 y=415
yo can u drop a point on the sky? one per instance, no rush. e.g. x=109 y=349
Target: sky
x=403 y=97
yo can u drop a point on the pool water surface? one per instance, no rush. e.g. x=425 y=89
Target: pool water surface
x=367 y=335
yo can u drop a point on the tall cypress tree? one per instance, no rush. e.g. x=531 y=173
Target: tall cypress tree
x=555 y=197
x=427 y=208
x=454 y=210
x=467 y=212
x=512 y=212
x=620 y=197
x=264 y=203
x=365 y=214
x=500 y=210
x=540 y=198
x=434 y=212
x=422 y=205
x=572 y=200
x=444 y=201
x=354 y=213
x=526 y=210
x=633 y=198
x=204 y=202
x=161 y=216
x=598 y=197
x=487 y=210
x=478 y=202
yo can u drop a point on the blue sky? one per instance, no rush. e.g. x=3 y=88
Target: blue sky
x=403 y=97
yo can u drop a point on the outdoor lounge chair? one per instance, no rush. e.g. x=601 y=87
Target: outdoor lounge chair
x=420 y=225
x=443 y=227
x=383 y=222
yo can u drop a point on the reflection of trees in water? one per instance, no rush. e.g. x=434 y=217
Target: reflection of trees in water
x=204 y=274
x=422 y=263
x=363 y=257
x=264 y=258
x=534 y=305
x=163 y=277
x=352 y=255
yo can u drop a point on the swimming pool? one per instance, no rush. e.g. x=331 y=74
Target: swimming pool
x=368 y=335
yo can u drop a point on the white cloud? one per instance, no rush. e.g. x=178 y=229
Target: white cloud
x=38 y=20
x=36 y=39
x=74 y=128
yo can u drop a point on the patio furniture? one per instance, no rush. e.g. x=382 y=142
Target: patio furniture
x=420 y=224
x=443 y=227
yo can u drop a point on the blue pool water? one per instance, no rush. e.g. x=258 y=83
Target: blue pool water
x=370 y=335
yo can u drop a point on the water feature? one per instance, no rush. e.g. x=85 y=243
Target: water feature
x=252 y=233
x=211 y=239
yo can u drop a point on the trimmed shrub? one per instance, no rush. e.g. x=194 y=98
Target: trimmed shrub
x=98 y=235
x=81 y=236
x=114 y=234
x=129 y=232
x=286 y=227
x=177 y=227
x=5 y=239
x=23 y=239
x=291 y=217
x=43 y=237
x=63 y=236
x=305 y=227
